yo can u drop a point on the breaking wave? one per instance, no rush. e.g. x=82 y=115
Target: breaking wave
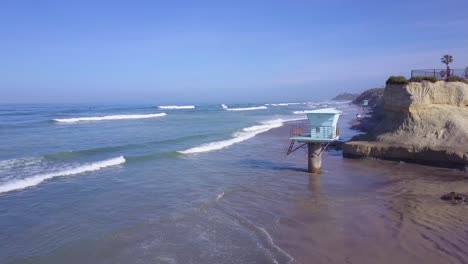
x=173 y=107
x=14 y=185
x=237 y=137
x=284 y=104
x=111 y=117
x=323 y=110
x=225 y=107
x=302 y=112
x=12 y=163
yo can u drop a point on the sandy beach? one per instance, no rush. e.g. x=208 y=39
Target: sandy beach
x=369 y=211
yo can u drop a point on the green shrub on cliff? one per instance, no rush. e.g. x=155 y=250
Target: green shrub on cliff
x=423 y=78
x=456 y=79
x=397 y=80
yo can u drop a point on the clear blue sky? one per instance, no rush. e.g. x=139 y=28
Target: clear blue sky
x=219 y=51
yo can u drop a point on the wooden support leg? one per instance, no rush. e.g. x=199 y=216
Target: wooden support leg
x=314 y=157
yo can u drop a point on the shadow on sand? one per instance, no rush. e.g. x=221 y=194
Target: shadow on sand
x=264 y=164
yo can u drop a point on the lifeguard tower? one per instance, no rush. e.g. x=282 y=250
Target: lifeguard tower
x=323 y=131
x=365 y=104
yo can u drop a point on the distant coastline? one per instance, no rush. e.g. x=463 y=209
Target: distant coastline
x=345 y=97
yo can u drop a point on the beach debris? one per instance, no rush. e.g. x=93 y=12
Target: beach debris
x=455 y=197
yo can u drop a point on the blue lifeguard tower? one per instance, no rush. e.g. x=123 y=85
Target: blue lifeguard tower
x=323 y=131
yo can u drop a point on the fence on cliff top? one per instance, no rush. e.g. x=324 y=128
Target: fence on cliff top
x=440 y=74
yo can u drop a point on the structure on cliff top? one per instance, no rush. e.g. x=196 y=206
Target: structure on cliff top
x=440 y=74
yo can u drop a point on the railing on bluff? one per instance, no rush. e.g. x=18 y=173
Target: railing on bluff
x=440 y=74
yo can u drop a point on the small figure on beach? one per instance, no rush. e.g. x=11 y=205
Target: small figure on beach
x=358 y=116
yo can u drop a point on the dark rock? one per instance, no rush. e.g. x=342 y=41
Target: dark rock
x=373 y=96
x=454 y=197
x=448 y=196
x=345 y=97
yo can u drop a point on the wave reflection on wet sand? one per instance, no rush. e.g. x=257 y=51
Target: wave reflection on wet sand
x=377 y=212
x=357 y=211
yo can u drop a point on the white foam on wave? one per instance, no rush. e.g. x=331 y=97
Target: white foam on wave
x=225 y=107
x=283 y=104
x=174 y=107
x=323 y=110
x=12 y=163
x=302 y=112
x=37 y=179
x=237 y=137
x=111 y=117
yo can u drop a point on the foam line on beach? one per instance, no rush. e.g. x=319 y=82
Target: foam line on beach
x=237 y=137
x=225 y=107
x=219 y=196
x=110 y=117
x=176 y=107
x=265 y=240
x=37 y=179
x=272 y=244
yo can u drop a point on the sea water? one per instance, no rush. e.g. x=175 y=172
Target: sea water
x=135 y=183
x=76 y=179
x=210 y=184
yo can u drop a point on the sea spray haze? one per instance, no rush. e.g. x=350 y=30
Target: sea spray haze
x=71 y=174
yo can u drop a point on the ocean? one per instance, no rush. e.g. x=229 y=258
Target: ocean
x=209 y=184
x=77 y=174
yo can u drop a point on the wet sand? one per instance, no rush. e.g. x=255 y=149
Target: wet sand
x=371 y=211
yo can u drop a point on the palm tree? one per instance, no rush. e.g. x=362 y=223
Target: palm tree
x=447 y=59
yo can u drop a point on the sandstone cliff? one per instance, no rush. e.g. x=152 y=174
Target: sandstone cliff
x=423 y=122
